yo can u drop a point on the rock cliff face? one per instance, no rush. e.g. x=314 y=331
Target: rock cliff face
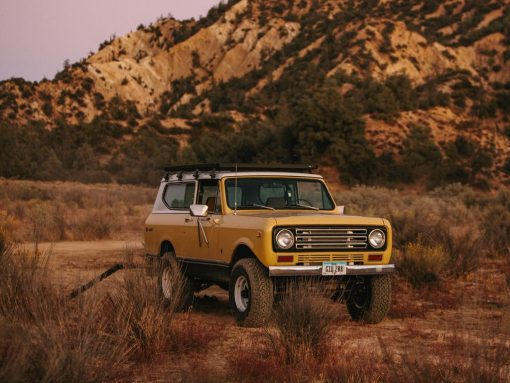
x=239 y=60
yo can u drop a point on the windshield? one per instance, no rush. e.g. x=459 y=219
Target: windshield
x=278 y=193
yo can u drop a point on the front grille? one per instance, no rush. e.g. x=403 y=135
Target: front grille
x=331 y=238
x=313 y=258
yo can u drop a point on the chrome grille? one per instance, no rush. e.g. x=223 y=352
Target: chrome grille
x=312 y=258
x=331 y=238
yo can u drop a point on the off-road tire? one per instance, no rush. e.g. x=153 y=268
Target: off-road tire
x=377 y=303
x=182 y=298
x=260 y=288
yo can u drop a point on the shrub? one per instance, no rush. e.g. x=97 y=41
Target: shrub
x=139 y=315
x=98 y=224
x=45 y=337
x=422 y=264
x=496 y=223
x=464 y=249
x=59 y=211
x=303 y=322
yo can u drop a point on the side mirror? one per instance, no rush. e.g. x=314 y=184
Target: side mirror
x=341 y=209
x=199 y=210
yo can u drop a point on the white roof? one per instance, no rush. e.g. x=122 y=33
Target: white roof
x=219 y=175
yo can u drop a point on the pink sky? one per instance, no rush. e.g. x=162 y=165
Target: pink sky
x=36 y=36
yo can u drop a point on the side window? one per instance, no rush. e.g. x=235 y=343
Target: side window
x=208 y=195
x=179 y=195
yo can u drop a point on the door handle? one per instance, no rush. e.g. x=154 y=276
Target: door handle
x=188 y=220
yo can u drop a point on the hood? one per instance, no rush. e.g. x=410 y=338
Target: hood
x=287 y=218
x=325 y=219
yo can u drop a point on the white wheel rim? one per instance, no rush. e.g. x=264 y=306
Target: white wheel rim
x=242 y=293
x=166 y=282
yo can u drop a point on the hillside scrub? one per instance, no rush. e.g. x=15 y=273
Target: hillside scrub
x=303 y=99
x=41 y=211
x=455 y=225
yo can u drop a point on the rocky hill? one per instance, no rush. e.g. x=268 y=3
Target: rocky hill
x=380 y=92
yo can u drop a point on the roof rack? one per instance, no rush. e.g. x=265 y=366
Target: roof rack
x=241 y=167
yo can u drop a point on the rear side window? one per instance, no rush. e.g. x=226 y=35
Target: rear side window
x=179 y=196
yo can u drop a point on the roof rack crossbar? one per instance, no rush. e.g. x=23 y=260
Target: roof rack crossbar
x=240 y=167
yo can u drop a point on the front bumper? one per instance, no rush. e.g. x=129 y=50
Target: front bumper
x=304 y=271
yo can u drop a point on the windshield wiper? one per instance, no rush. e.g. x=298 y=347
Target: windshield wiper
x=306 y=206
x=263 y=206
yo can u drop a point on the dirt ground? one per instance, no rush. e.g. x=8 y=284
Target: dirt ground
x=418 y=325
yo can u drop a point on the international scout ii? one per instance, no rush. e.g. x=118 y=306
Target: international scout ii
x=251 y=228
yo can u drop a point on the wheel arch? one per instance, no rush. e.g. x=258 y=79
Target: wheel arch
x=165 y=246
x=241 y=251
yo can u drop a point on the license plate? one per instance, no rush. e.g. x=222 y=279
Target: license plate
x=334 y=268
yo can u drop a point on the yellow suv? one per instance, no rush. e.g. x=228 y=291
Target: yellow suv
x=252 y=228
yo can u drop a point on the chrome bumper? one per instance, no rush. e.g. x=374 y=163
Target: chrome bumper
x=304 y=271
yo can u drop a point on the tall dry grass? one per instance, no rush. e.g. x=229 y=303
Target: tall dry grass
x=46 y=337
x=303 y=320
x=298 y=342
x=55 y=211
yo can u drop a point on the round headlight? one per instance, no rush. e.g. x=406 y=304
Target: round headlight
x=377 y=238
x=284 y=239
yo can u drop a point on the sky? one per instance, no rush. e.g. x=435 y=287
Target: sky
x=36 y=36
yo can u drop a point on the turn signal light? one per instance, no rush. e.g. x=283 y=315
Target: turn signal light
x=285 y=258
x=374 y=257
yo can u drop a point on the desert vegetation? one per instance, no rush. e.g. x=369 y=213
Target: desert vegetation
x=123 y=334
x=98 y=336
x=40 y=212
x=447 y=322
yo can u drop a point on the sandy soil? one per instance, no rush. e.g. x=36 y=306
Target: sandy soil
x=72 y=263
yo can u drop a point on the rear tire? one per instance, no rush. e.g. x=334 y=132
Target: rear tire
x=175 y=289
x=250 y=293
x=370 y=299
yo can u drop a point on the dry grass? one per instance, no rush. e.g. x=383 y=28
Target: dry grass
x=422 y=264
x=54 y=211
x=457 y=359
x=303 y=320
x=136 y=311
x=295 y=349
x=45 y=337
x=192 y=335
x=466 y=224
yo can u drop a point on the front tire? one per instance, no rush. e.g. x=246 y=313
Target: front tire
x=250 y=293
x=370 y=298
x=175 y=289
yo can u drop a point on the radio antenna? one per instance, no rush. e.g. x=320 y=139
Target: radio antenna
x=235 y=193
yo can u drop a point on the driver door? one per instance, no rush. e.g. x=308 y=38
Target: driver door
x=208 y=194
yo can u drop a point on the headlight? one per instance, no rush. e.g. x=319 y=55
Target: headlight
x=285 y=239
x=377 y=238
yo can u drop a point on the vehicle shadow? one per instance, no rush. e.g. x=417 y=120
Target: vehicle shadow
x=212 y=301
